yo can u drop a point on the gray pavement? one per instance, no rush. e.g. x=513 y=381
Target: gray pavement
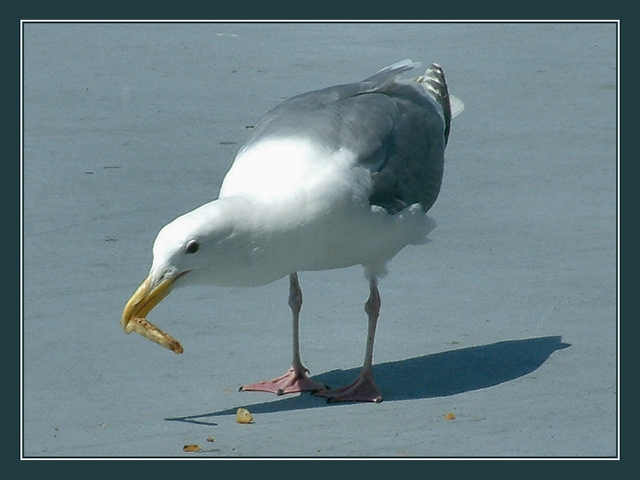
x=506 y=319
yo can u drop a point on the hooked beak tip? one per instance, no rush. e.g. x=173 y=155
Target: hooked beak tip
x=144 y=299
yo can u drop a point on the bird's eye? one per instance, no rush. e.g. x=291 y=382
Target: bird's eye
x=192 y=247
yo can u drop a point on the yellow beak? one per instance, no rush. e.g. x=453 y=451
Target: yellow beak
x=138 y=307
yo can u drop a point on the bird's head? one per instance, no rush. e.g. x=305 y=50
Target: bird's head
x=189 y=250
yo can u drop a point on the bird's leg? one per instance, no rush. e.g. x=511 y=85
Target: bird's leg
x=295 y=379
x=364 y=388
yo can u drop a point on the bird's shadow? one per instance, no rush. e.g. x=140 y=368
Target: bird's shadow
x=437 y=375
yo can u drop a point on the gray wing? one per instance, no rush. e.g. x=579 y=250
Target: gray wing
x=398 y=130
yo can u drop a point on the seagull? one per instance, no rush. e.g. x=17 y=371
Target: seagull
x=328 y=179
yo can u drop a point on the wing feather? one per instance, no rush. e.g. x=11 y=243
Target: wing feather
x=397 y=129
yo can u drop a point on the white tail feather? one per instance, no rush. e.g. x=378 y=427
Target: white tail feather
x=457 y=106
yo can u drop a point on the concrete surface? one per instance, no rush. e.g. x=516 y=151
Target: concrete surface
x=507 y=319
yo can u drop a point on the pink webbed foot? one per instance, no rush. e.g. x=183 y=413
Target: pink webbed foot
x=290 y=382
x=363 y=389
